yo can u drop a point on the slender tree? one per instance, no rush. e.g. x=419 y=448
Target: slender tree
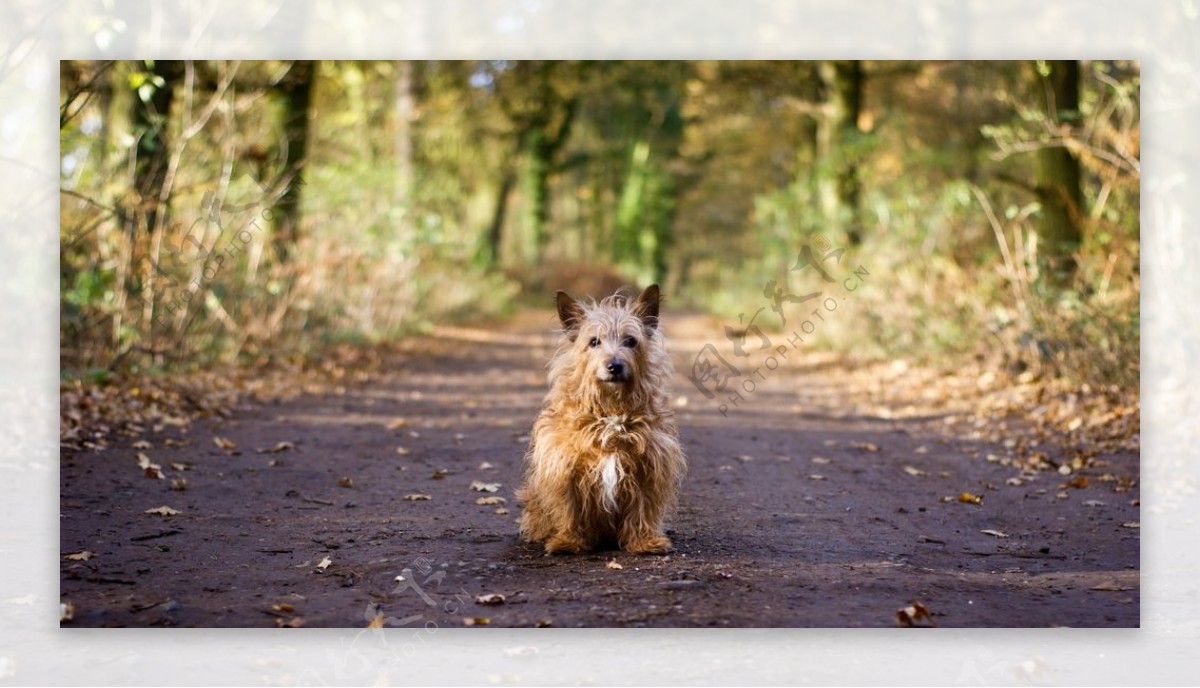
x=1059 y=184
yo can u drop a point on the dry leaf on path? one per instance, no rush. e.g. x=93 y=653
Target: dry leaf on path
x=417 y=497
x=612 y=564
x=491 y=501
x=1131 y=524
x=994 y=533
x=483 y=466
x=346 y=481
x=142 y=444
x=79 y=556
x=279 y=447
x=377 y=622
x=477 y=621
x=162 y=511
x=403 y=451
x=149 y=468
x=914 y=614
x=968 y=498
x=865 y=446
x=224 y=442
x=325 y=563
x=66 y=611
x=480 y=486
x=914 y=471
x=820 y=460
x=490 y=599
x=1110 y=586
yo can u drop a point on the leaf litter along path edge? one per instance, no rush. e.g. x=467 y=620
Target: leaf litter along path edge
x=376 y=506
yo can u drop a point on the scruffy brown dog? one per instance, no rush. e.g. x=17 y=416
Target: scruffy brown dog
x=604 y=462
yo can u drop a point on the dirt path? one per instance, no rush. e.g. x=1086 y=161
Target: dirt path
x=798 y=510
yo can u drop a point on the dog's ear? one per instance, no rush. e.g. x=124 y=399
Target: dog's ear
x=646 y=306
x=570 y=313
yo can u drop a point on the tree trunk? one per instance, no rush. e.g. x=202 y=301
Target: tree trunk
x=405 y=108
x=151 y=116
x=1059 y=175
x=296 y=92
x=838 y=187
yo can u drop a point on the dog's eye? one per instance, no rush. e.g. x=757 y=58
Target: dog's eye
x=629 y=342
x=595 y=342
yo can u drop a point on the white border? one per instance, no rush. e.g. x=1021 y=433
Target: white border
x=1163 y=34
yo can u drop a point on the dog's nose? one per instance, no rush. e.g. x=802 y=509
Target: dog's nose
x=616 y=368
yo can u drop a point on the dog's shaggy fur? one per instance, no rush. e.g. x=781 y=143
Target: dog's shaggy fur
x=604 y=461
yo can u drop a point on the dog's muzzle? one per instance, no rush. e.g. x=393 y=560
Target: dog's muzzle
x=617 y=372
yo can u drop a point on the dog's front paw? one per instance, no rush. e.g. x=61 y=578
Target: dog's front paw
x=565 y=544
x=651 y=544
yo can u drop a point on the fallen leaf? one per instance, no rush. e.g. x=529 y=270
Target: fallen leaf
x=417 y=497
x=294 y=622
x=324 y=564
x=163 y=511
x=1094 y=502
x=994 y=533
x=479 y=486
x=744 y=458
x=477 y=621
x=377 y=622
x=79 y=556
x=613 y=564
x=179 y=484
x=968 y=498
x=66 y=611
x=403 y=451
x=397 y=424
x=910 y=616
x=149 y=468
x=816 y=476
x=914 y=471
x=1062 y=495
x=490 y=599
x=865 y=446
x=1078 y=482
x=414 y=434
x=279 y=447
x=172 y=442
x=921 y=450
x=283 y=607
x=1016 y=482
x=501 y=511
x=440 y=474
x=142 y=444
x=820 y=460
x=491 y=501
x=830 y=443
x=484 y=466
x=543 y=623
x=224 y=442
x=1110 y=586
x=1131 y=524
x=180 y=466
x=346 y=481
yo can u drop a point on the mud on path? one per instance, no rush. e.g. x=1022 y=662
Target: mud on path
x=800 y=509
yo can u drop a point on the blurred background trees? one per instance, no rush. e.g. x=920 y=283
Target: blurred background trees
x=212 y=210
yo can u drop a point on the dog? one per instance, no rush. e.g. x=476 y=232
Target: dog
x=604 y=463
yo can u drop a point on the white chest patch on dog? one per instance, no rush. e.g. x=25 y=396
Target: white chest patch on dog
x=610 y=474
